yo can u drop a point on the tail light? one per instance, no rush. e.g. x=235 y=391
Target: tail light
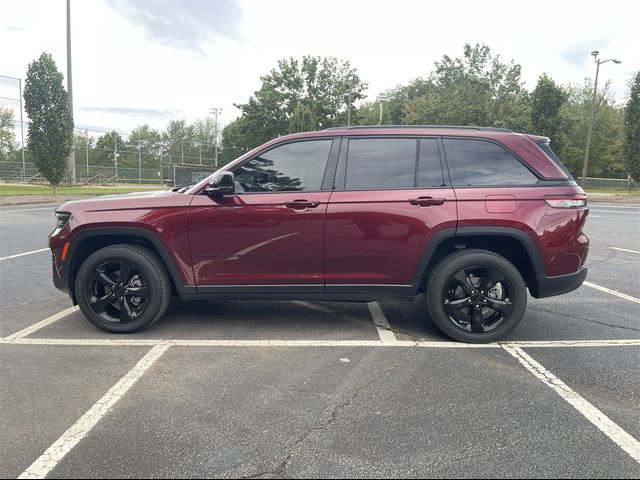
x=566 y=201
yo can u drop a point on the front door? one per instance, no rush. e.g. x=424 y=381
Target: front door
x=271 y=232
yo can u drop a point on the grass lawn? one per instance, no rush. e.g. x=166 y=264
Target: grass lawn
x=7 y=189
x=614 y=191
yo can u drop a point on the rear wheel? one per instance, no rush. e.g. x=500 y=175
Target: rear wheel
x=476 y=296
x=122 y=288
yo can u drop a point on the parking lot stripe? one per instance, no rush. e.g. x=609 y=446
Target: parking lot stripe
x=23 y=254
x=134 y=342
x=607 y=426
x=37 y=326
x=576 y=343
x=384 y=330
x=69 y=439
x=52 y=208
x=613 y=292
x=624 y=250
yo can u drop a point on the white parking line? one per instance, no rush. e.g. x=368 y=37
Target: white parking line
x=69 y=439
x=629 y=212
x=624 y=250
x=136 y=342
x=612 y=430
x=382 y=325
x=37 y=326
x=23 y=254
x=613 y=292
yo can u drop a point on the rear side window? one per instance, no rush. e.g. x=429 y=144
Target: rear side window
x=546 y=148
x=479 y=162
x=291 y=167
x=376 y=163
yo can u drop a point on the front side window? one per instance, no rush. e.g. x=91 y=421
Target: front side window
x=478 y=162
x=292 y=167
x=376 y=163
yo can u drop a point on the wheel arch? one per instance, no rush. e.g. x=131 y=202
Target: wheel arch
x=91 y=240
x=513 y=244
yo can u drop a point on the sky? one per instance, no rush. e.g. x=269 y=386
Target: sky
x=149 y=61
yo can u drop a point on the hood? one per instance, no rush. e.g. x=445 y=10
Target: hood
x=128 y=201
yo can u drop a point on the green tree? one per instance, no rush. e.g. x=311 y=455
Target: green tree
x=308 y=94
x=477 y=89
x=179 y=142
x=51 y=127
x=7 y=132
x=110 y=146
x=149 y=142
x=632 y=130
x=204 y=132
x=546 y=104
x=236 y=140
x=608 y=129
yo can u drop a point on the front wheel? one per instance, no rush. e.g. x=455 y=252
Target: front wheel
x=476 y=296
x=122 y=288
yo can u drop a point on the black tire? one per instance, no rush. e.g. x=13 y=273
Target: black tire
x=99 y=281
x=476 y=296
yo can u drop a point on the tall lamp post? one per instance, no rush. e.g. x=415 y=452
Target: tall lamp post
x=381 y=99
x=72 y=150
x=215 y=111
x=583 y=180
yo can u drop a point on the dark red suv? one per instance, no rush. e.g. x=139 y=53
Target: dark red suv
x=470 y=216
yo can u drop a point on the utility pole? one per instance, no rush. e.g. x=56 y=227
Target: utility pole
x=381 y=98
x=139 y=161
x=215 y=111
x=595 y=53
x=72 y=152
x=115 y=152
x=86 y=132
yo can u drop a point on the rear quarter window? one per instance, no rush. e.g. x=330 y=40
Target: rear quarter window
x=475 y=162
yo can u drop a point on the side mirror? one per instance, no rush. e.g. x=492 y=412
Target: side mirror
x=222 y=184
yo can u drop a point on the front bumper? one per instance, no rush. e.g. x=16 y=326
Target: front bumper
x=557 y=285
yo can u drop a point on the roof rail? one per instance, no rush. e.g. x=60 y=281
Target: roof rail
x=444 y=127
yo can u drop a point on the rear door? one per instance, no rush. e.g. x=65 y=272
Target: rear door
x=391 y=197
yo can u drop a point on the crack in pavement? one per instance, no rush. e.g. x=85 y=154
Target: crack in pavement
x=322 y=424
x=576 y=317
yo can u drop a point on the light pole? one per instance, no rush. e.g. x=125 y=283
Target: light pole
x=215 y=111
x=381 y=98
x=23 y=173
x=72 y=151
x=595 y=53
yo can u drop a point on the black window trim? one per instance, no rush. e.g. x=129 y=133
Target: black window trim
x=341 y=167
x=540 y=179
x=332 y=159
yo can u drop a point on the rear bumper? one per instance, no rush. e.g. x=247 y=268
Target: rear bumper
x=557 y=285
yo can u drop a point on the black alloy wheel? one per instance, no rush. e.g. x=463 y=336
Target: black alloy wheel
x=118 y=291
x=122 y=288
x=476 y=296
x=477 y=299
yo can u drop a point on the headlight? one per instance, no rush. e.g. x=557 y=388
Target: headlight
x=62 y=218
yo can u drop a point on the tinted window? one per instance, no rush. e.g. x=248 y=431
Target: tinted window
x=477 y=162
x=429 y=167
x=381 y=163
x=289 y=168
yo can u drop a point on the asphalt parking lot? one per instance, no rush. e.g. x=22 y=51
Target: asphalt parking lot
x=299 y=389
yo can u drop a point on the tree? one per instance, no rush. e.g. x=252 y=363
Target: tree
x=7 y=132
x=308 y=94
x=109 y=146
x=546 y=104
x=236 y=140
x=632 y=130
x=51 y=128
x=477 y=89
x=179 y=142
x=608 y=127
